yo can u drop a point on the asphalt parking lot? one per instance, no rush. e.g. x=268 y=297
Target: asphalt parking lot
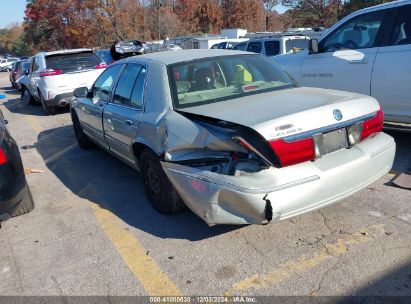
x=93 y=231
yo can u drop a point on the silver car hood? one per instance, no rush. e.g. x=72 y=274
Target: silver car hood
x=290 y=111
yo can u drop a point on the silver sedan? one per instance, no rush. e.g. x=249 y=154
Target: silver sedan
x=231 y=136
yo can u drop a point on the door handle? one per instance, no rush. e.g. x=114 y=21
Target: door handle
x=357 y=62
x=128 y=122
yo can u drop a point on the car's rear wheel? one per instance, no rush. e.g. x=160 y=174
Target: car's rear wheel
x=82 y=138
x=25 y=206
x=47 y=109
x=157 y=186
x=26 y=97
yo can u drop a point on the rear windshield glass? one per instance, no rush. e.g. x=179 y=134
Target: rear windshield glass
x=105 y=56
x=215 y=79
x=72 y=62
x=296 y=43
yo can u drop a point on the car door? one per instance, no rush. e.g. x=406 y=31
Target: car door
x=122 y=115
x=34 y=77
x=91 y=109
x=346 y=56
x=391 y=76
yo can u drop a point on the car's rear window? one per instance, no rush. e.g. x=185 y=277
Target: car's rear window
x=73 y=62
x=221 y=78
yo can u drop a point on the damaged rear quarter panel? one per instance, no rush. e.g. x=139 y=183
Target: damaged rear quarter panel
x=218 y=198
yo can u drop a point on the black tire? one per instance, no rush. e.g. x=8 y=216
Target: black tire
x=161 y=193
x=26 y=96
x=47 y=109
x=83 y=141
x=25 y=206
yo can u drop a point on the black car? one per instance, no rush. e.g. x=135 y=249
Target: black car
x=15 y=196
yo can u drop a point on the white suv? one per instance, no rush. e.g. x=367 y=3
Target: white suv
x=5 y=64
x=367 y=52
x=53 y=76
x=273 y=45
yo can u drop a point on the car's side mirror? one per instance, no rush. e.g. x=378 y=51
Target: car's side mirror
x=313 y=46
x=81 y=92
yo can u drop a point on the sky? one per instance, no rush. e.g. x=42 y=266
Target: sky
x=13 y=11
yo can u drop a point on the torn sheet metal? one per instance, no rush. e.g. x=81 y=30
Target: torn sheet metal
x=187 y=139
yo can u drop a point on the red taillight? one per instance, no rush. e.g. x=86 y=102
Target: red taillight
x=102 y=65
x=50 y=72
x=291 y=153
x=373 y=125
x=3 y=158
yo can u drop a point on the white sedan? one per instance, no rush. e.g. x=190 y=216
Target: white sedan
x=231 y=136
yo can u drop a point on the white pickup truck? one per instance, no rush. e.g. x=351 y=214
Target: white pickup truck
x=367 y=52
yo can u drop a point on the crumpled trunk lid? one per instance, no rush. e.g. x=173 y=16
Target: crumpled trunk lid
x=288 y=112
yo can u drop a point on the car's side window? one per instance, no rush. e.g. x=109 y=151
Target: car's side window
x=35 y=66
x=122 y=93
x=254 y=47
x=137 y=97
x=357 y=33
x=103 y=84
x=272 y=48
x=401 y=33
x=240 y=47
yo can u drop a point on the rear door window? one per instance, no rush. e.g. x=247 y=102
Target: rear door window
x=122 y=94
x=76 y=62
x=272 y=48
x=137 y=97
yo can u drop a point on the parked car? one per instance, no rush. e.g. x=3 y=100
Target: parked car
x=15 y=196
x=53 y=76
x=231 y=136
x=5 y=64
x=273 y=45
x=367 y=52
x=18 y=69
x=123 y=49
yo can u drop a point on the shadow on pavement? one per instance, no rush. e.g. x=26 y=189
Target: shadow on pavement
x=9 y=90
x=402 y=162
x=100 y=178
x=392 y=287
x=17 y=106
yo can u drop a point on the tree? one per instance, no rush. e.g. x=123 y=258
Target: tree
x=270 y=14
x=247 y=14
x=309 y=13
x=11 y=40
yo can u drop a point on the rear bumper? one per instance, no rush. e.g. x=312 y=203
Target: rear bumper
x=60 y=100
x=286 y=192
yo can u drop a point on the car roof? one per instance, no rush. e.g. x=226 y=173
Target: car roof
x=66 y=51
x=381 y=6
x=171 y=57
